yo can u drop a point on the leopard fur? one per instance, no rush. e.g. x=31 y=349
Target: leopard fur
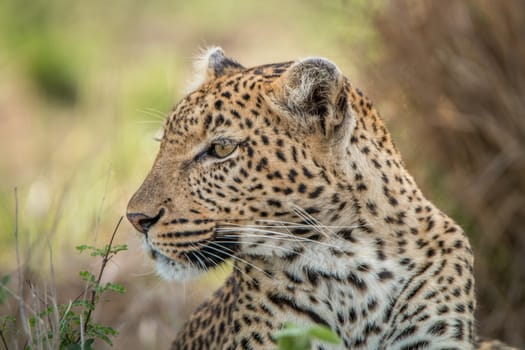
x=315 y=208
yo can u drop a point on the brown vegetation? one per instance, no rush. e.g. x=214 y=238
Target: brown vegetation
x=454 y=73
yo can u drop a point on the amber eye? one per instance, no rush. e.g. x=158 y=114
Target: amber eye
x=222 y=150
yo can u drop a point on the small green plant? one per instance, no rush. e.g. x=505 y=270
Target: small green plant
x=67 y=326
x=293 y=337
x=93 y=330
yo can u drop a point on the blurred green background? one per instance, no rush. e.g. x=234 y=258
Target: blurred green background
x=85 y=86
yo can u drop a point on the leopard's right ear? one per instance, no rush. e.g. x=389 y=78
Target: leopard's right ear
x=212 y=64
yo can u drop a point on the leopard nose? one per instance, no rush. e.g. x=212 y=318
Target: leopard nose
x=144 y=222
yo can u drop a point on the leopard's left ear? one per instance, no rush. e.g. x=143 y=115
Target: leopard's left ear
x=314 y=93
x=213 y=64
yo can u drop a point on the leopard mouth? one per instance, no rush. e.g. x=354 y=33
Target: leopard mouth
x=196 y=257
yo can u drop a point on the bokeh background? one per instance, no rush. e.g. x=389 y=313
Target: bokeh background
x=85 y=86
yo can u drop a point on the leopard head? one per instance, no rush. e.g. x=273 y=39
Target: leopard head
x=252 y=163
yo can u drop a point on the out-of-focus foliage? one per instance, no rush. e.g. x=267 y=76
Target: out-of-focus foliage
x=454 y=77
x=86 y=85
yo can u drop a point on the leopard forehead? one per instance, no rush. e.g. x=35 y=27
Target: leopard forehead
x=230 y=104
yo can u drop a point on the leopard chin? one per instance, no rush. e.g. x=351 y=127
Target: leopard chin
x=172 y=270
x=169 y=269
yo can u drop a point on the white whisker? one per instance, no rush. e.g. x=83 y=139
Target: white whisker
x=203 y=265
x=286 y=249
x=317 y=225
x=296 y=225
x=147 y=273
x=230 y=255
x=152 y=112
x=260 y=244
x=297 y=238
x=233 y=256
x=291 y=239
x=304 y=256
x=148 y=122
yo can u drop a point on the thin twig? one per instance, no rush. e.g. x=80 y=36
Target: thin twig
x=39 y=322
x=53 y=297
x=99 y=215
x=105 y=260
x=82 y=340
x=23 y=318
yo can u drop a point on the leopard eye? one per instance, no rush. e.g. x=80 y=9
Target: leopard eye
x=222 y=150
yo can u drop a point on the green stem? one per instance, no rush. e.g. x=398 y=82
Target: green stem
x=105 y=260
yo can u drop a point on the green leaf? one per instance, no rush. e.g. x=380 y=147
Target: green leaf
x=115 y=287
x=293 y=337
x=81 y=248
x=119 y=248
x=87 y=276
x=102 y=332
x=294 y=344
x=83 y=304
x=290 y=332
x=324 y=334
x=97 y=252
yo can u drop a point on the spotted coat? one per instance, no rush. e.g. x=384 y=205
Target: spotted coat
x=287 y=171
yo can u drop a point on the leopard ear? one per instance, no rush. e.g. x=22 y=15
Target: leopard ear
x=314 y=92
x=213 y=64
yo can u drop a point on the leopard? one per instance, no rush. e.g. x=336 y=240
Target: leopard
x=287 y=172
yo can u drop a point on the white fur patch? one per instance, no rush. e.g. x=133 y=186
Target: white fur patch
x=171 y=270
x=200 y=68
